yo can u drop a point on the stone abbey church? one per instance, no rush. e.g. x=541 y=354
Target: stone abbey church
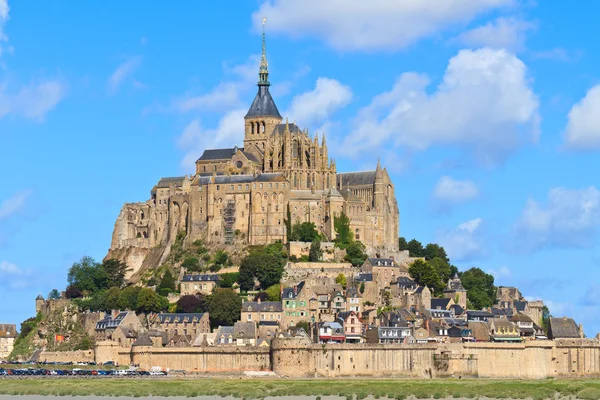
x=240 y=195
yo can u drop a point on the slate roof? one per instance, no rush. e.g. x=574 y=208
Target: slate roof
x=244 y=330
x=201 y=278
x=355 y=178
x=111 y=323
x=455 y=284
x=563 y=328
x=441 y=304
x=364 y=278
x=521 y=318
x=280 y=128
x=226 y=179
x=263 y=104
x=167 y=182
x=143 y=339
x=288 y=293
x=170 y=318
x=219 y=154
x=458 y=310
x=254 y=306
x=477 y=313
x=382 y=262
x=268 y=323
x=404 y=282
x=520 y=305
x=352 y=292
x=345 y=314
x=224 y=331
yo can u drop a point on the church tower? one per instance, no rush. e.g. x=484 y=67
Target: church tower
x=263 y=114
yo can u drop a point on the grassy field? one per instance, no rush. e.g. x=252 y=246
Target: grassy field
x=260 y=388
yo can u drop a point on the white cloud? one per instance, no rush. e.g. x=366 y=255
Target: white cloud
x=194 y=139
x=583 y=126
x=465 y=242
x=319 y=104
x=14 y=204
x=503 y=33
x=569 y=219
x=33 y=101
x=3 y=18
x=500 y=273
x=449 y=192
x=13 y=277
x=123 y=71
x=227 y=94
x=369 y=25
x=484 y=105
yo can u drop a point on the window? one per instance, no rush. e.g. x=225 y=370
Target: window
x=239 y=187
x=249 y=317
x=217 y=187
x=230 y=187
x=247 y=186
x=239 y=165
x=261 y=185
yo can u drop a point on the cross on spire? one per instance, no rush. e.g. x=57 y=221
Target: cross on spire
x=263 y=73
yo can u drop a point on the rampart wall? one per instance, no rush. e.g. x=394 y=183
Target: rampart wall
x=296 y=272
x=67 y=356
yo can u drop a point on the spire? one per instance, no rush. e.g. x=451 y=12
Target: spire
x=378 y=164
x=378 y=171
x=324 y=142
x=263 y=72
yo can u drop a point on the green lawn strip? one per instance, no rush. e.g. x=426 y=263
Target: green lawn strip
x=261 y=388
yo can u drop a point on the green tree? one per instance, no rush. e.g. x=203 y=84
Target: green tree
x=545 y=320
x=191 y=264
x=315 y=253
x=415 y=248
x=98 y=301
x=129 y=297
x=115 y=272
x=433 y=250
x=247 y=272
x=481 y=291
x=402 y=244
x=442 y=268
x=192 y=303
x=224 y=307
x=265 y=263
x=149 y=301
x=112 y=299
x=54 y=294
x=288 y=224
x=305 y=232
x=229 y=279
x=341 y=279
x=304 y=325
x=219 y=260
x=167 y=284
x=274 y=292
x=425 y=274
x=355 y=254
x=87 y=275
x=362 y=287
x=344 y=235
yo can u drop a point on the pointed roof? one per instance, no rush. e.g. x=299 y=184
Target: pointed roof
x=263 y=104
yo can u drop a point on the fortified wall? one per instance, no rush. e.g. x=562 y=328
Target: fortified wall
x=295 y=273
x=299 y=358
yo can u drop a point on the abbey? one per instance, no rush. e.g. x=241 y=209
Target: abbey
x=241 y=195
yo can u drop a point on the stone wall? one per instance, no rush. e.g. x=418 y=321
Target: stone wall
x=204 y=359
x=295 y=273
x=299 y=249
x=67 y=356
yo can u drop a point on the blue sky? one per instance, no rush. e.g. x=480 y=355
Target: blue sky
x=486 y=114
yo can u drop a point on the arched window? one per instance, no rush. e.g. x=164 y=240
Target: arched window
x=145 y=235
x=142 y=215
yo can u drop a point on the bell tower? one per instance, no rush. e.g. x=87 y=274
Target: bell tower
x=263 y=114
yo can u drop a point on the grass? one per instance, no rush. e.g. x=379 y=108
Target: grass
x=348 y=388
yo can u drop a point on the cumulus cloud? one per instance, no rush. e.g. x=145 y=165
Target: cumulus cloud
x=569 y=219
x=369 y=25
x=484 y=106
x=123 y=71
x=227 y=94
x=449 y=192
x=317 y=105
x=583 y=126
x=503 y=33
x=33 y=101
x=14 y=204
x=13 y=277
x=195 y=139
x=465 y=242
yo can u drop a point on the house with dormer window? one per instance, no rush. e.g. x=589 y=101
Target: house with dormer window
x=180 y=327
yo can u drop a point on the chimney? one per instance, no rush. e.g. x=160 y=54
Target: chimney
x=114 y=313
x=295 y=290
x=581 y=334
x=258 y=301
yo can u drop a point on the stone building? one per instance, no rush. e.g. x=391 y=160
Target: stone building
x=242 y=194
x=121 y=327
x=181 y=328
x=261 y=311
x=198 y=283
x=455 y=290
x=8 y=334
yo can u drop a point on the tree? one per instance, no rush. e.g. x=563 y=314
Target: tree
x=402 y=245
x=305 y=232
x=355 y=254
x=219 y=260
x=415 y=248
x=112 y=299
x=481 y=291
x=425 y=274
x=115 y=272
x=315 y=253
x=87 y=275
x=344 y=235
x=362 y=287
x=128 y=298
x=54 y=294
x=193 y=303
x=288 y=223
x=228 y=279
x=433 y=250
x=148 y=301
x=167 y=284
x=304 y=325
x=341 y=279
x=73 y=292
x=224 y=307
x=442 y=268
x=274 y=292
x=545 y=320
x=191 y=264
x=265 y=263
x=247 y=272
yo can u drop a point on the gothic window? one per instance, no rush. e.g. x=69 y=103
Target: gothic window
x=204 y=168
x=142 y=215
x=295 y=149
x=218 y=187
x=139 y=235
x=145 y=235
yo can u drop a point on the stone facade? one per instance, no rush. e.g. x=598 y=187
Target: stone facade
x=242 y=195
x=8 y=333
